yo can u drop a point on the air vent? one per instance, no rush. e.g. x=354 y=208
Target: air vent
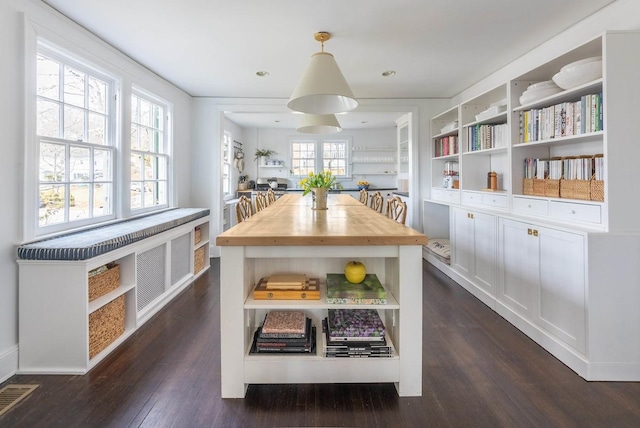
x=11 y=395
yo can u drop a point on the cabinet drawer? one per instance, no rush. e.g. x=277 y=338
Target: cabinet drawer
x=446 y=195
x=575 y=212
x=471 y=198
x=494 y=200
x=531 y=206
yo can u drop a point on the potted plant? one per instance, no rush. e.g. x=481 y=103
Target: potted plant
x=264 y=153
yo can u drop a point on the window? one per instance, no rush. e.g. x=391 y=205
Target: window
x=149 y=153
x=312 y=156
x=75 y=143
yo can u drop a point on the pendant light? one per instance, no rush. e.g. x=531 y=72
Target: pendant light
x=319 y=124
x=322 y=88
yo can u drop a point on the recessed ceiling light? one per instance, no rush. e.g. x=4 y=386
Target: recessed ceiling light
x=262 y=73
x=365 y=121
x=388 y=73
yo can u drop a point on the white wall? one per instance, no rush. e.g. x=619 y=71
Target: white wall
x=21 y=21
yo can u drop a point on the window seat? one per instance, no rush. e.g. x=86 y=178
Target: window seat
x=93 y=242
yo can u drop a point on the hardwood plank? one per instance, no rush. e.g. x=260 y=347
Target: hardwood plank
x=478 y=370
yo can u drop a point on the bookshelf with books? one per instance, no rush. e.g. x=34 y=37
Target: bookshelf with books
x=569 y=222
x=445 y=148
x=485 y=149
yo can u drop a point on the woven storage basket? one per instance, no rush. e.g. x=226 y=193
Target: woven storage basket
x=104 y=282
x=597 y=190
x=527 y=186
x=198 y=260
x=539 y=187
x=197 y=235
x=552 y=188
x=106 y=325
x=575 y=189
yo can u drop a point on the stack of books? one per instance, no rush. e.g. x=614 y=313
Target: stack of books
x=287 y=287
x=355 y=333
x=368 y=292
x=285 y=332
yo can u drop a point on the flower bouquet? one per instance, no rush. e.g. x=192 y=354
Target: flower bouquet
x=321 y=180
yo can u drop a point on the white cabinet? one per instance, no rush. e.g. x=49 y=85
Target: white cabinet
x=58 y=323
x=404 y=147
x=474 y=249
x=542 y=278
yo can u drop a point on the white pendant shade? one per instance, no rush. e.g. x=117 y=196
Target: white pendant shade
x=322 y=89
x=319 y=124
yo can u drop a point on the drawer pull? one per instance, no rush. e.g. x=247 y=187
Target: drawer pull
x=529 y=231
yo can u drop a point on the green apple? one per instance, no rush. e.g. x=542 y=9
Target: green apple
x=355 y=272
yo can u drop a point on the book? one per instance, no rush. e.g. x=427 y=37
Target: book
x=305 y=345
x=355 y=325
x=286 y=281
x=284 y=322
x=268 y=336
x=354 y=349
x=310 y=291
x=370 y=288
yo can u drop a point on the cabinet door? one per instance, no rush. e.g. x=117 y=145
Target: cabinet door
x=561 y=298
x=462 y=245
x=518 y=266
x=484 y=251
x=474 y=247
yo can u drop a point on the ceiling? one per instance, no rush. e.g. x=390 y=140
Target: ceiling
x=213 y=48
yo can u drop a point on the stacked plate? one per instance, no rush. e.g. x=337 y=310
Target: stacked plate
x=538 y=91
x=579 y=72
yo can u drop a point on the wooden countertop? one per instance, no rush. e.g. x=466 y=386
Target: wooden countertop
x=291 y=221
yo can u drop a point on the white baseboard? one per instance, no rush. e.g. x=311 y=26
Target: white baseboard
x=8 y=363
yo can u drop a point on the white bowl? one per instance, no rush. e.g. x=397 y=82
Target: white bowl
x=542 y=85
x=529 y=97
x=582 y=61
x=578 y=75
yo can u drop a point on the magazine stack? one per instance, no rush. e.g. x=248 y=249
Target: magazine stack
x=285 y=332
x=355 y=333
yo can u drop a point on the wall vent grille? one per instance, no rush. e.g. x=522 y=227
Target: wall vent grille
x=180 y=263
x=150 y=275
x=11 y=395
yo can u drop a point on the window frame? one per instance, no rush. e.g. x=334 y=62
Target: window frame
x=166 y=154
x=32 y=227
x=319 y=157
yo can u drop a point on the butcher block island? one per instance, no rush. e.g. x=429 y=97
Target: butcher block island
x=291 y=237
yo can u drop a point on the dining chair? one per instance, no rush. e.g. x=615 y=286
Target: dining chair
x=397 y=209
x=376 y=202
x=261 y=202
x=364 y=196
x=271 y=196
x=244 y=208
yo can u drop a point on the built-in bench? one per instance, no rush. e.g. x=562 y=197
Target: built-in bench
x=93 y=242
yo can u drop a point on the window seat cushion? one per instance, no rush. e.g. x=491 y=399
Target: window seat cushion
x=93 y=242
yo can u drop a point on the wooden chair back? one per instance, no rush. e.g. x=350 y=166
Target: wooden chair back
x=244 y=208
x=376 y=202
x=397 y=209
x=271 y=196
x=261 y=201
x=364 y=196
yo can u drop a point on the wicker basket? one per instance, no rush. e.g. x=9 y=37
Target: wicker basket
x=575 y=189
x=198 y=260
x=552 y=188
x=597 y=190
x=527 y=186
x=104 y=282
x=106 y=325
x=539 y=187
x=197 y=235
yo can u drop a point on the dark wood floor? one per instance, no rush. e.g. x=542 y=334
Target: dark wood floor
x=478 y=371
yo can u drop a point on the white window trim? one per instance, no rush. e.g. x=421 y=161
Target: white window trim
x=167 y=154
x=30 y=227
x=319 y=152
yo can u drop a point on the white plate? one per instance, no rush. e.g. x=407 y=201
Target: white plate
x=582 y=61
x=529 y=97
x=542 y=85
x=578 y=75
